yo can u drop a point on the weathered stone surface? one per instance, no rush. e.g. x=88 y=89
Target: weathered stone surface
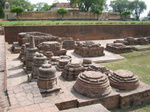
x=89 y=49
x=118 y=48
x=47 y=78
x=39 y=37
x=124 y=80
x=71 y=71
x=62 y=63
x=53 y=46
x=134 y=41
x=68 y=44
x=38 y=60
x=30 y=54
x=92 y=84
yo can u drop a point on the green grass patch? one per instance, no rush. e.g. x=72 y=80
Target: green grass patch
x=20 y=23
x=139 y=63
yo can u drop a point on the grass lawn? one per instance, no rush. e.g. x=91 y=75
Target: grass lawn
x=15 y=23
x=139 y=63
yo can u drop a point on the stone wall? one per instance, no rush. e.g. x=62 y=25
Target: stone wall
x=70 y=15
x=82 y=32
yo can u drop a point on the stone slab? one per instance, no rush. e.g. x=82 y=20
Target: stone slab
x=91 y=108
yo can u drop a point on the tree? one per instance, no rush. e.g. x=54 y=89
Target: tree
x=42 y=6
x=98 y=12
x=120 y=5
x=53 y=5
x=21 y=3
x=148 y=14
x=62 y=11
x=2 y=2
x=2 y=14
x=137 y=7
x=17 y=10
x=126 y=13
x=88 y=5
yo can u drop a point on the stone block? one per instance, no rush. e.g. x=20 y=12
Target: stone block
x=141 y=95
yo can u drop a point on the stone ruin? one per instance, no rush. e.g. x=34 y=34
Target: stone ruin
x=30 y=54
x=134 y=41
x=71 y=71
x=40 y=37
x=124 y=80
x=68 y=44
x=89 y=49
x=92 y=84
x=118 y=48
x=52 y=46
x=38 y=60
x=47 y=78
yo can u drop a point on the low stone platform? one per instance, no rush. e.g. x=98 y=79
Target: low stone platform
x=140 y=48
x=91 y=108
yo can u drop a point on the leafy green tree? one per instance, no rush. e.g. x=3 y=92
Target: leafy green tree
x=88 y=5
x=2 y=14
x=20 y=3
x=137 y=7
x=53 y=5
x=17 y=10
x=126 y=13
x=62 y=11
x=120 y=5
x=2 y=2
x=42 y=6
x=98 y=12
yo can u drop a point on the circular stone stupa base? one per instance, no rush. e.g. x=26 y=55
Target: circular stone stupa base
x=124 y=80
x=92 y=84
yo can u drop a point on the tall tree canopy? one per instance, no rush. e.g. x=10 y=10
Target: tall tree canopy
x=42 y=6
x=137 y=7
x=88 y=5
x=2 y=2
x=120 y=5
x=20 y=3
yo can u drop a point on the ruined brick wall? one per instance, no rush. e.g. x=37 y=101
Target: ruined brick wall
x=70 y=15
x=82 y=32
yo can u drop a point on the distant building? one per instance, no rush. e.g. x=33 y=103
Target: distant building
x=64 y=5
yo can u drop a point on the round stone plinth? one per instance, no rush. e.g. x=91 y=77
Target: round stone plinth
x=124 y=80
x=92 y=84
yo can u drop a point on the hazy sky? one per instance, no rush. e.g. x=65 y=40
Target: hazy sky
x=108 y=1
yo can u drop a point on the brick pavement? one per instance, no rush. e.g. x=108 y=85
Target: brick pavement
x=26 y=97
x=3 y=97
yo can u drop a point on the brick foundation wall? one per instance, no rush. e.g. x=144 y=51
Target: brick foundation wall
x=82 y=32
x=35 y=15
